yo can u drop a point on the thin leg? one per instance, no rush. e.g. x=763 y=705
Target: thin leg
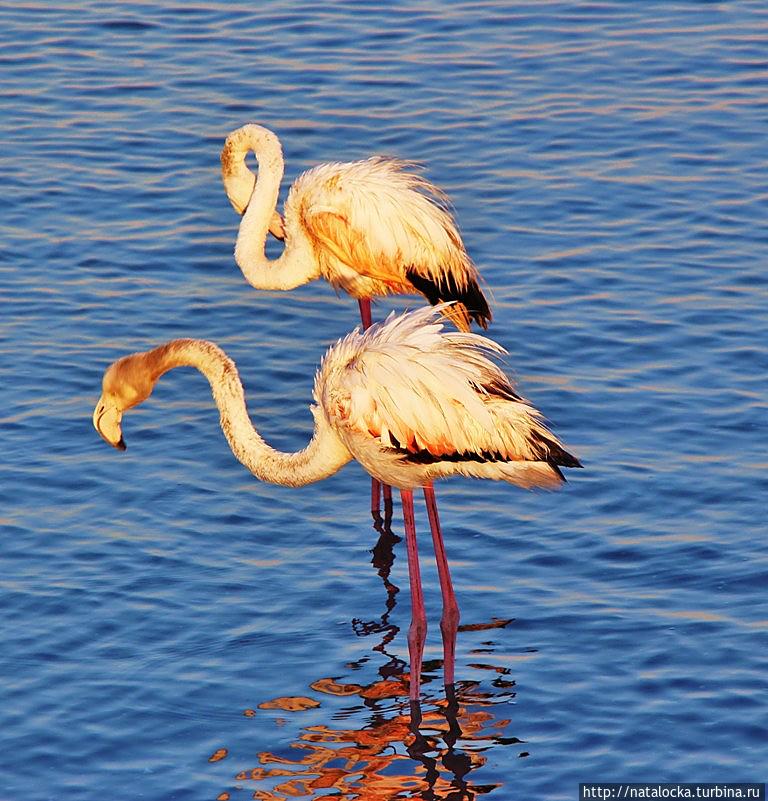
x=365 y=311
x=449 y=623
x=376 y=486
x=417 y=633
x=375 y=499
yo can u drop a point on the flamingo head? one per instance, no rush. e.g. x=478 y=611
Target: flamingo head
x=239 y=180
x=127 y=383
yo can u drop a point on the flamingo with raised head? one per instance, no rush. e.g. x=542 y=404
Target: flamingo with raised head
x=409 y=401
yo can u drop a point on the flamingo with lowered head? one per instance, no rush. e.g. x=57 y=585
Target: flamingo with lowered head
x=368 y=227
x=407 y=400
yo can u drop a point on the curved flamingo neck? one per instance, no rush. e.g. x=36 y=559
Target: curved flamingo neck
x=296 y=265
x=324 y=455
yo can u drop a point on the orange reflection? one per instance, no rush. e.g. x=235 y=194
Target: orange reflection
x=218 y=755
x=387 y=748
x=291 y=703
x=393 y=756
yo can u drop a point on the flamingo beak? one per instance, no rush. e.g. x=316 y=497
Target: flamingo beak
x=239 y=186
x=106 y=420
x=277 y=226
x=240 y=209
x=239 y=189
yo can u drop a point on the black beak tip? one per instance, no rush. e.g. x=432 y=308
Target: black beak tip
x=121 y=446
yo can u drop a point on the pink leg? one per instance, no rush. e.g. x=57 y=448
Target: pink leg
x=375 y=498
x=417 y=633
x=376 y=486
x=376 y=492
x=449 y=623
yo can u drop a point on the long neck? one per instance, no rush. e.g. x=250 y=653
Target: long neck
x=324 y=455
x=296 y=265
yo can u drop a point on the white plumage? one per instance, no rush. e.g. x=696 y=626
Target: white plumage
x=405 y=393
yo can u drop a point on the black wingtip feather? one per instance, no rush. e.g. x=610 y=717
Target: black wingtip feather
x=558 y=471
x=554 y=453
x=447 y=289
x=556 y=458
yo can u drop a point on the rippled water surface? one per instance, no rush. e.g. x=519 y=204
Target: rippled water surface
x=173 y=629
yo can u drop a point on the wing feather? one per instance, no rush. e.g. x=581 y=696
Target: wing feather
x=386 y=222
x=421 y=391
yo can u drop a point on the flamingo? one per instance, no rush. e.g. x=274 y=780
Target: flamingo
x=368 y=227
x=409 y=401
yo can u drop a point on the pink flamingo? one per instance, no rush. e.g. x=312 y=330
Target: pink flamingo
x=410 y=402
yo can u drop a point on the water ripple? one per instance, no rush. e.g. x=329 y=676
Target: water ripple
x=170 y=624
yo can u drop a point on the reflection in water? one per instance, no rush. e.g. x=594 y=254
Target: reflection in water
x=404 y=750
x=397 y=755
x=383 y=558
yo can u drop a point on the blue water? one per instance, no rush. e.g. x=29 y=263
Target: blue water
x=607 y=163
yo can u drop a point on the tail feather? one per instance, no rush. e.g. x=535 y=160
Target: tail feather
x=470 y=303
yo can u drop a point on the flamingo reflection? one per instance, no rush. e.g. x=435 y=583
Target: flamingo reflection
x=395 y=748
x=401 y=753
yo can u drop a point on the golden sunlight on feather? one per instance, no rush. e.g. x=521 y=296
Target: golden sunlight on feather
x=370 y=228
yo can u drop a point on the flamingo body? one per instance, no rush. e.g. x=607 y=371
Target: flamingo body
x=413 y=404
x=370 y=228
